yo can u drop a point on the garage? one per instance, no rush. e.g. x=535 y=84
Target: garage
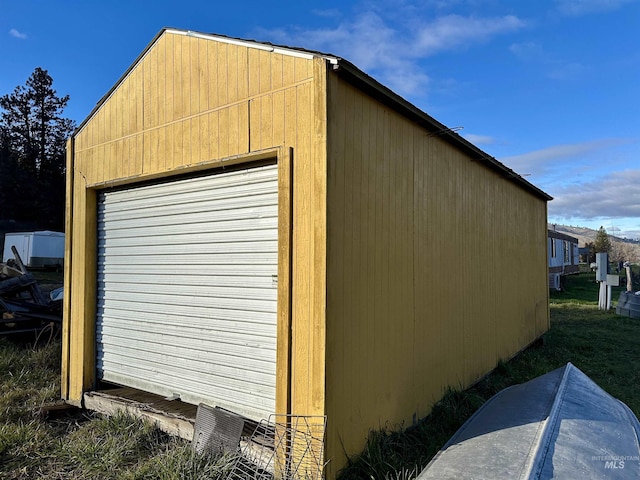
x=187 y=289
x=268 y=229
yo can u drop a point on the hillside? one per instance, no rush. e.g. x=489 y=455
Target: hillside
x=585 y=235
x=622 y=249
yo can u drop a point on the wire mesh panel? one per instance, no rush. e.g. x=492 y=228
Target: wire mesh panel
x=216 y=431
x=285 y=447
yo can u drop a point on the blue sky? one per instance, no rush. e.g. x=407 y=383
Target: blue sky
x=549 y=87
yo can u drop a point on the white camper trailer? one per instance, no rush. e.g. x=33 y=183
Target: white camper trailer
x=36 y=249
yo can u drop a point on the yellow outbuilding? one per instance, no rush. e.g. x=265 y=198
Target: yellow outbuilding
x=270 y=230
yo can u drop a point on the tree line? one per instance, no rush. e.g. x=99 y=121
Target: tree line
x=33 y=134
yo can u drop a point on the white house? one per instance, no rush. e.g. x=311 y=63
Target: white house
x=563 y=256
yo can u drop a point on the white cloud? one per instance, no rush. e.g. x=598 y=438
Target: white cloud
x=452 y=31
x=584 y=7
x=615 y=195
x=539 y=162
x=479 y=139
x=390 y=49
x=15 y=33
x=526 y=50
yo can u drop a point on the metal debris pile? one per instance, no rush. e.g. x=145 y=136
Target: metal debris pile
x=23 y=305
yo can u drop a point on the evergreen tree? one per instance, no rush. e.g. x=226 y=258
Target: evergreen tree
x=602 y=244
x=32 y=153
x=12 y=203
x=591 y=256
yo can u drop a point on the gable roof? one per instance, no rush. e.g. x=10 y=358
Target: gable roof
x=352 y=74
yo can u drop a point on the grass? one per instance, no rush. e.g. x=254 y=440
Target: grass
x=581 y=289
x=81 y=445
x=602 y=344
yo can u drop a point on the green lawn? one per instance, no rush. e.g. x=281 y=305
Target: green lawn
x=583 y=289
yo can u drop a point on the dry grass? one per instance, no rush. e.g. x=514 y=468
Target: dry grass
x=80 y=445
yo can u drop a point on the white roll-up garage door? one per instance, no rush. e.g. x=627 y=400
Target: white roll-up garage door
x=187 y=289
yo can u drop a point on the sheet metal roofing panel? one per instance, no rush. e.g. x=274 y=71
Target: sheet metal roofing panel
x=560 y=425
x=187 y=289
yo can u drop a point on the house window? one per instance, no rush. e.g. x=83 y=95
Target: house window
x=553 y=248
x=567 y=258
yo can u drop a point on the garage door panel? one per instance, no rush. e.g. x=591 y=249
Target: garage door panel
x=240 y=183
x=205 y=201
x=227 y=391
x=219 y=321
x=199 y=376
x=234 y=395
x=144 y=301
x=245 y=220
x=222 y=327
x=243 y=252
x=241 y=241
x=187 y=289
x=165 y=213
x=202 y=360
x=215 y=205
x=204 y=292
x=196 y=383
x=232 y=209
x=169 y=271
x=196 y=317
x=185 y=260
x=254 y=354
x=167 y=279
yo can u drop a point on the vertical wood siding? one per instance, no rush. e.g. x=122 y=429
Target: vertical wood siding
x=192 y=101
x=436 y=269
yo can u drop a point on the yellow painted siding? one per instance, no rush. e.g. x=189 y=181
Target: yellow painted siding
x=436 y=269
x=188 y=104
x=64 y=384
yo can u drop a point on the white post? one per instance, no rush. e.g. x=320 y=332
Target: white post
x=602 y=261
x=604 y=296
x=612 y=281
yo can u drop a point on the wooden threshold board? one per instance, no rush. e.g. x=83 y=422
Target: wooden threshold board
x=171 y=416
